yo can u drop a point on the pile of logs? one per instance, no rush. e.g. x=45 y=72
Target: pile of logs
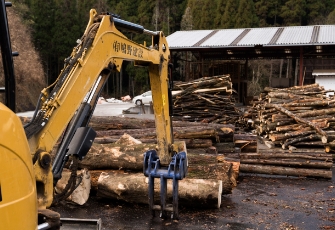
x=207 y=100
x=115 y=161
x=294 y=119
x=195 y=134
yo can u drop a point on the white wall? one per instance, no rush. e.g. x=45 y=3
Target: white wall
x=326 y=82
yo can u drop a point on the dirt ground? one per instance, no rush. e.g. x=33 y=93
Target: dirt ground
x=258 y=202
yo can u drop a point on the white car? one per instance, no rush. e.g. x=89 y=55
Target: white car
x=144 y=98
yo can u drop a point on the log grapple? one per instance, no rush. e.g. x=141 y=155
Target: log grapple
x=176 y=170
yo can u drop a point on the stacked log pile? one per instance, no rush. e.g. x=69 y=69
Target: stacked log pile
x=117 y=166
x=207 y=100
x=195 y=134
x=289 y=121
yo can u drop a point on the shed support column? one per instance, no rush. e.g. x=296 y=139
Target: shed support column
x=187 y=72
x=242 y=97
x=301 y=66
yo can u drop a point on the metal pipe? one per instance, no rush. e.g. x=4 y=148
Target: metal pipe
x=126 y=25
x=149 y=32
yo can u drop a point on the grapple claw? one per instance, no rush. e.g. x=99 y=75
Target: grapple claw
x=176 y=170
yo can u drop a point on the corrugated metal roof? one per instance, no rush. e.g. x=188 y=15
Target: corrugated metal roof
x=258 y=36
x=326 y=34
x=187 y=38
x=223 y=37
x=295 y=35
x=267 y=36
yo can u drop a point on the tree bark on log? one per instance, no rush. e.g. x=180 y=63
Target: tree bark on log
x=312 y=137
x=114 y=122
x=190 y=143
x=133 y=188
x=307 y=156
x=113 y=156
x=143 y=131
x=277 y=170
x=179 y=133
x=290 y=163
x=81 y=194
x=304 y=121
x=116 y=156
x=221 y=171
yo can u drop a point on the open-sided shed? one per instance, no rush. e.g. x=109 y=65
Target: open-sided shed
x=294 y=42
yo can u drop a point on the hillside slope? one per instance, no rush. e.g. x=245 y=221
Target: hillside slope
x=27 y=66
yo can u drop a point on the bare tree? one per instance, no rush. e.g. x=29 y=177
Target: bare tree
x=187 y=20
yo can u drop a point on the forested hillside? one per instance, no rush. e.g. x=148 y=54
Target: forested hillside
x=57 y=24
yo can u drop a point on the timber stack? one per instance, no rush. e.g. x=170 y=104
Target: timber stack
x=297 y=126
x=195 y=134
x=115 y=161
x=207 y=100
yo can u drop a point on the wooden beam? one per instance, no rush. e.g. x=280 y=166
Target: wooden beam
x=301 y=66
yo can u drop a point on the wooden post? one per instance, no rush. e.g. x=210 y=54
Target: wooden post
x=239 y=79
x=270 y=79
x=301 y=65
x=296 y=72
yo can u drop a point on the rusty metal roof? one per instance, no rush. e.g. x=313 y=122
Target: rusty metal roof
x=251 y=37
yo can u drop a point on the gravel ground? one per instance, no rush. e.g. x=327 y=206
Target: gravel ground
x=258 y=202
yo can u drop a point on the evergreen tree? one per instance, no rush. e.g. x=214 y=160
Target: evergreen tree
x=208 y=10
x=220 y=8
x=145 y=12
x=196 y=11
x=127 y=9
x=246 y=16
x=177 y=8
x=331 y=18
x=66 y=29
x=293 y=12
x=229 y=17
x=43 y=18
x=314 y=9
x=268 y=12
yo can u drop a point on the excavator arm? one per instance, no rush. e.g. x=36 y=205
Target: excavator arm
x=67 y=109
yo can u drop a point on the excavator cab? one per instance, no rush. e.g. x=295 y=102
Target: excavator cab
x=18 y=200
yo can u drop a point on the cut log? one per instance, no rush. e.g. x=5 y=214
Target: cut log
x=277 y=170
x=227 y=147
x=221 y=171
x=308 y=156
x=312 y=137
x=81 y=194
x=277 y=136
x=109 y=123
x=245 y=136
x=290 y=163
x=196 y=132
x=115 y=156
x=330 y=147
x=304 y=121
x=190 y=143
x=269 y=144
x=133 y=188
x=300 y=133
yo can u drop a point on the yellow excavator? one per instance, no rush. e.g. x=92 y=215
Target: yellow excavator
x=28 y=173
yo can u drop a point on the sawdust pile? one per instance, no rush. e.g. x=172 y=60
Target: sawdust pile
x=27 y=66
